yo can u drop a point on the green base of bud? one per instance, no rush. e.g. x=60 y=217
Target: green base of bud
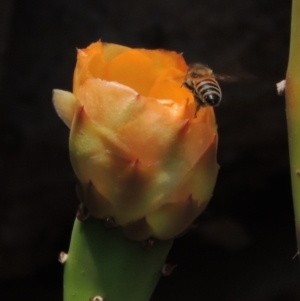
x=103 y=262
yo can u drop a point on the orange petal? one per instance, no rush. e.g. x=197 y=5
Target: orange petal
x=133 y=69
x=110 y=51
x=150 y=133
x=92 y=60
x=84 y=69
x=108 y=103
x=163 y=59
x=139 y=68
x=169 y=86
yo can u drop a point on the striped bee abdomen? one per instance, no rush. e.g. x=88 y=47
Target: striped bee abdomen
x=209 y=91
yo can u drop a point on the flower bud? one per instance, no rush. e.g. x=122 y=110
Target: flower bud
x=140 y=154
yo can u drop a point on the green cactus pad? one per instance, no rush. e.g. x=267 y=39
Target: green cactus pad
x=103 y=262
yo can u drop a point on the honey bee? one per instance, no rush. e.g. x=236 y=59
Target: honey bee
x=202 y=82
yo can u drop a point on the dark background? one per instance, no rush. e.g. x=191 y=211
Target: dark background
x=243 y=246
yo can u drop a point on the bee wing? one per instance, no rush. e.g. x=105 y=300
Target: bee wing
x=237 y=74
x=226 y=78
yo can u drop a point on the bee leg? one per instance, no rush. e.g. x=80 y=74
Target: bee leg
x=197 y=109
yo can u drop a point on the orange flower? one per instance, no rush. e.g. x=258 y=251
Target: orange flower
x=140 y=155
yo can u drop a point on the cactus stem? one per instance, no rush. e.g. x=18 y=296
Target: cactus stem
x=103 y=262
x=292 y=93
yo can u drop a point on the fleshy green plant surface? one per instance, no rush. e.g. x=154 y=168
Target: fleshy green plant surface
x=293 y=110
x=103 y=262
